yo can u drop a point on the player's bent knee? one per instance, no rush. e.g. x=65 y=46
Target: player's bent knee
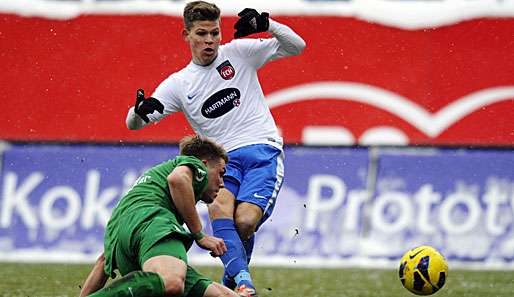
x=220 y=210
x=247 y=217
x=245 y=226
x=174 y=287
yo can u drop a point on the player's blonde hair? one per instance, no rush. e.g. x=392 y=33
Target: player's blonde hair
x=202 y=148
x=200 y=11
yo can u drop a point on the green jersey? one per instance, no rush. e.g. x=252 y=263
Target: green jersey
x=149 y=198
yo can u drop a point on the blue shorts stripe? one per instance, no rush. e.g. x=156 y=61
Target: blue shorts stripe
x=278 y=185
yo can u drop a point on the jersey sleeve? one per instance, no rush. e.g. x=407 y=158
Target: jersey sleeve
x=199 y=169
x=256 y=52
x=168 y=94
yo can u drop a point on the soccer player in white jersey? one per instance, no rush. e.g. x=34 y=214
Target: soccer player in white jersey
x=220 y=95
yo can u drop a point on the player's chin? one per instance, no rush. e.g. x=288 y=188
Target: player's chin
x=209 y=55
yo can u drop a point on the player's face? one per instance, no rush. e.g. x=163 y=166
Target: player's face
x=204 y=40
x=216 y=171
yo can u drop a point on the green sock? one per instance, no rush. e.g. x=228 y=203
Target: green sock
x=134 y=284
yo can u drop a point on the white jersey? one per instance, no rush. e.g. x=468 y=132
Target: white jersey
x=224 y=100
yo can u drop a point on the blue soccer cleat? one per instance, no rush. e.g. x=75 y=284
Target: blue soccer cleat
x=245 y=291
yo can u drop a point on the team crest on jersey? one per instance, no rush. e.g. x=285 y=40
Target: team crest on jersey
x=226 y=70
x=221 y=103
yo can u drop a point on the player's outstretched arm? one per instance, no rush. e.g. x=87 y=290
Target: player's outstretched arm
x=137 y=116
x=96 y=278
x=250 y=22
x=291 y=44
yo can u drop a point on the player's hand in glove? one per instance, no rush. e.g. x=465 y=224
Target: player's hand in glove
x=147 y=106
x=250 y=21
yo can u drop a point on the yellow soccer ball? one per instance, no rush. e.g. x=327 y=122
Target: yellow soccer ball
x=423 y=270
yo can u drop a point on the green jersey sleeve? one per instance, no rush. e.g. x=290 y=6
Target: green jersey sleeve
x=200 y=177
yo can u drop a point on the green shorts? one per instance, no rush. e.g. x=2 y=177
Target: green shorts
x=160 y=235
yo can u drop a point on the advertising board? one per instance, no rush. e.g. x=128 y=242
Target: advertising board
x=386 y=72
x=337 y=206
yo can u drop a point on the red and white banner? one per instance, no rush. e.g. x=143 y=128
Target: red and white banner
x=357 y=82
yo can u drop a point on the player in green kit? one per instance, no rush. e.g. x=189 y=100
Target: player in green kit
x=145 y=239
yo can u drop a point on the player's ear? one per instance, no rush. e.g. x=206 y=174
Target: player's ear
x=185 y=33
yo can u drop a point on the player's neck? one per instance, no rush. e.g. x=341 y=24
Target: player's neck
x=204 y=63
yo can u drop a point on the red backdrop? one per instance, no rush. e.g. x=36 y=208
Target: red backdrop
x=74 y=80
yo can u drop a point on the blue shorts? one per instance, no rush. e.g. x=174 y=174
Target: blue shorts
x=254 y=174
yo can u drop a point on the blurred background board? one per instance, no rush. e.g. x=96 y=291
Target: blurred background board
x=339 y=206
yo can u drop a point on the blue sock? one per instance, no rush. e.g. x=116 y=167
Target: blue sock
x=234 y=260
x=248 y=245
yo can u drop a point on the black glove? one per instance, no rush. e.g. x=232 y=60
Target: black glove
x=147 y=106
x=250 y=21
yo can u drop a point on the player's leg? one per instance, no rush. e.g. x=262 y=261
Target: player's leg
x=172 y=272
x=153 y=263
x=184 y=280
x=258 y=193
x=247 y=217
x=136 y=283
x=198 y=285
x=165 y=252
x=218 y=290
x=221 y=213
x=248 y=246
x=256 y=198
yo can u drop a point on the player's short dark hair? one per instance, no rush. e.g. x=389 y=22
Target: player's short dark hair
x=202 y=148
x=200 y=11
